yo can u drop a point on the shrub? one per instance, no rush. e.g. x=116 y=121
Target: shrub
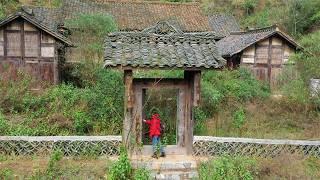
x=97 y=24
x=121 y=169
x=90 y=47
x=227 y=167
x=82 y=122
x=233 y=87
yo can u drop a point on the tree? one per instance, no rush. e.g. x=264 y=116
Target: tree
x=301 y=15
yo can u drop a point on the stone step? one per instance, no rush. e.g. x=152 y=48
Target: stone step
x=165 y=165
x=175 y=175
x=171 y=167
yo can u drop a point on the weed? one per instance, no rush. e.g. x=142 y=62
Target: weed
x=142 y=174
x=227 y=167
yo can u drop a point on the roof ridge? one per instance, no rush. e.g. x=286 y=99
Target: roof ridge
x=145 y=2
x=257 y=30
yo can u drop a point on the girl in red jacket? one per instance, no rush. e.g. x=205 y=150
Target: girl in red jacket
x=155 y=133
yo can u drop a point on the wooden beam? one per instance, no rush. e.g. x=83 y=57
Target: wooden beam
x=192 y=78
x=5 y=41
x=128 y=107
x=196 y=88
x=269 y=60
x=22 y=41
x=56 y=77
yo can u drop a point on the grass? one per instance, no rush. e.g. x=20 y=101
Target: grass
x=36 y=167
x=285 y=166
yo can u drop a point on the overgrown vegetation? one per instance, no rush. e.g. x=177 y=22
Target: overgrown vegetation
x=63 y=109
x=88 y=32
x=226 y=167
x=7 y=7
x=226 y=91
x=294 y=16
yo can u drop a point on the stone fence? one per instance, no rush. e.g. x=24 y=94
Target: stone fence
x=69 y=145
x=215 y=146
x=110 y=145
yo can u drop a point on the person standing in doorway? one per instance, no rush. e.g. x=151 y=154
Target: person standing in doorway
x=155 y=133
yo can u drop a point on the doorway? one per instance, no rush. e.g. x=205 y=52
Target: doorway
x=164 y=101
x=171 y=96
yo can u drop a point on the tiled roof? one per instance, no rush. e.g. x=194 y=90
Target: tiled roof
x=51 y=17
x=37 y=23
x=162 y=46
x=223 y=24
x=238 y=41
x=136 y=16
x=131 y=15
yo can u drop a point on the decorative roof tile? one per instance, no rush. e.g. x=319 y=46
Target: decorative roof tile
x=160 y=47
x=238 y=41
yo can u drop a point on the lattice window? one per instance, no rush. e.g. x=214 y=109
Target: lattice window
x=32 y=44
x=13 y=44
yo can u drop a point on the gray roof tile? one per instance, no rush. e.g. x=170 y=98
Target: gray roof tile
x=223 y=24
x=169 y=49
x=238 y=41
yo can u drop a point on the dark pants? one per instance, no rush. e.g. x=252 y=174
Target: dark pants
x=156 y=143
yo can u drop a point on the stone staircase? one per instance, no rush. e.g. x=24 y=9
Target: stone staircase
x=172 y=167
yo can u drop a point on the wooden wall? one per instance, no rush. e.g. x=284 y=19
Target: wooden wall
x=25 y=47
x=267 y=58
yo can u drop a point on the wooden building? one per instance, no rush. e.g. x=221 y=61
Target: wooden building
x=27 y=44
x=161 y=47
x=264 y=51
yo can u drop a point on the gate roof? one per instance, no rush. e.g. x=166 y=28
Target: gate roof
x=161 y=46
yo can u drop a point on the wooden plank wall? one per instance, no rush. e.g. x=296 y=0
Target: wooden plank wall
x=27 y=48
x=267 y=58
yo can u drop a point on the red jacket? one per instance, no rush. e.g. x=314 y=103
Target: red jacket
x=154 y=125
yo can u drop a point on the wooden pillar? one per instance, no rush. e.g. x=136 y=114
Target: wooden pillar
x=193 y=79
x=269 y=60
x=128 y=108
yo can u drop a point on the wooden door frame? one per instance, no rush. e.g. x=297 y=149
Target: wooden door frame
x=132 y=132
x=140 y=86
